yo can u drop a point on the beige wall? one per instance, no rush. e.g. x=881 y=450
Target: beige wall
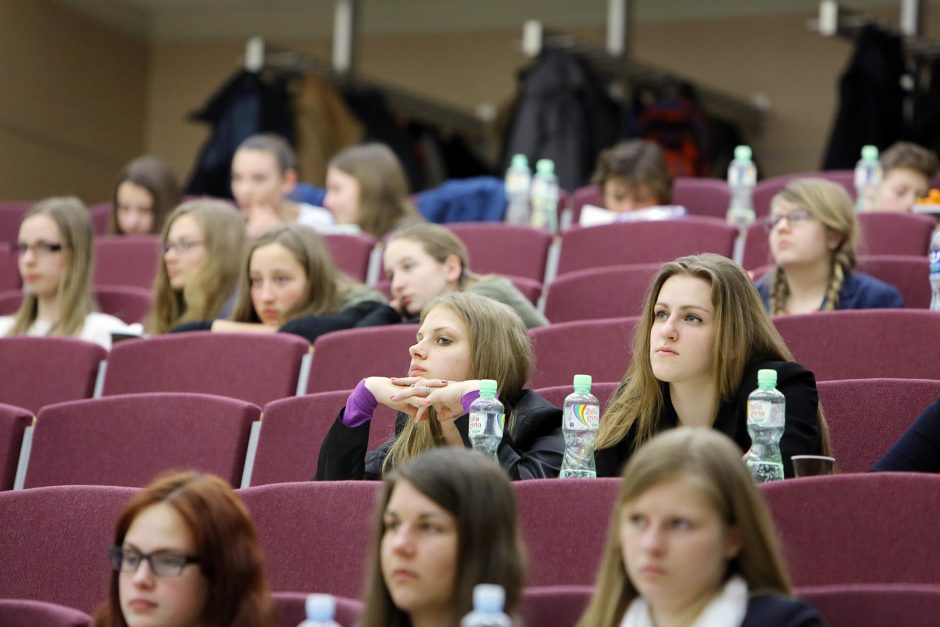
x=72 y=105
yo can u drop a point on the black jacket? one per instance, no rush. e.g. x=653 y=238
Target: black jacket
x=800 y=436
x=533 y=450
x=773 y=611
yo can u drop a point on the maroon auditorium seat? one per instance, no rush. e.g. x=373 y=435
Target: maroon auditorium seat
x=342 y=358
x=128 y=440
x=13 y=422
x=37 y=371
x=252 y=367
x=892 y=233
x=351 y=253
x=292 y=431
x=127 y=260
x=24 y=613
x=322 y=544
x=875 y=605
x=505 y=249
x=610 y=292
x=554 y=606
x=48 y=533
x=600 y=348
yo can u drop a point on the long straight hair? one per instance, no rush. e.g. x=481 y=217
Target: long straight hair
x=499 y=349
x=712 y=463
x=743 y=333
x=73 y=294
x=223 y=234
x=477 y=493
x=326 y=287
x=227 y=546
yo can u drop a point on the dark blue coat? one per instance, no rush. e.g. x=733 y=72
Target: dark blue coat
x=859 y=291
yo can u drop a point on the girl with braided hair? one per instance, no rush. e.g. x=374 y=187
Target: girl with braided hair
x=813 y=241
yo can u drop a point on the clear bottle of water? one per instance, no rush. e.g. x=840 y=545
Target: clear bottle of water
x=320 y=611
x=742 y=177
x=766 y=418
x=487 y=418
x=935 y=271
x=488 y=602
x=580 y=421
x=543 y=196
x=867 y=180
x=518 y=179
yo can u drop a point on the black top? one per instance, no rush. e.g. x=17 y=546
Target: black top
x=775 y=611
x=800 y=436
x=533 y=450
x=918 y=450
x=309 y=327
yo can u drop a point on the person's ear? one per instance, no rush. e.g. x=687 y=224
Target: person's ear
x=453 y=268
x=734 y=543
x=289 y=180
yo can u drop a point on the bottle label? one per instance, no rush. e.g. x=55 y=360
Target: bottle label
x=766 y=414
x=477 y=424
x=934 y=260
x=582 y=417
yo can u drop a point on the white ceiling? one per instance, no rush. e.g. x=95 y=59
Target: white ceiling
x=198 y=20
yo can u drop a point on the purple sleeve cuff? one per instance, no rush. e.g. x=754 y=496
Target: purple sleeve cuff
x=467 y=399
x=360 y=406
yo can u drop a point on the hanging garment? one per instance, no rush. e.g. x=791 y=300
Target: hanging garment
x=871 y=100
x=562 y=113
x=324 y=127
x=245 y=105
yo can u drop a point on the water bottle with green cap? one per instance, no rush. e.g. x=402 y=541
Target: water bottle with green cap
x=518 y=180
x=544 y=196
x=742 y=177
x=487 y=419
x=867 y=180
x=580 y=421
x=766 y=418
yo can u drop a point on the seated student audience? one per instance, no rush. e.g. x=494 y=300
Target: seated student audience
x=289 y=283
x=463 y=338
x=425 y=260
x=813 y=240
x=918 y=449
x=636 y=185
x=264 y=173
x=203 y=245
x=692 y=543
x=185 y=553
x=55 y=257
x=145 y=192
x=444 y=522
x=366 y=187
x=702 y=337
x=907 y=170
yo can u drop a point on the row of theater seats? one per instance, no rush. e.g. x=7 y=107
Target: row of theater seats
x=260 y=368
x=531 y=256
x=34 y=372
x=864 y=534
x=249 y=446
x=128 y=439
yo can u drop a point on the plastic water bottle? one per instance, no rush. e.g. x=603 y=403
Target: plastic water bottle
x=766 y=417
x=487 y=418
x=518 y=179
x=581 y=418
x=488 y=602
x=320 y=611
x=867 y=180
x=742 y=177
x=544 y=196
x=935 y=271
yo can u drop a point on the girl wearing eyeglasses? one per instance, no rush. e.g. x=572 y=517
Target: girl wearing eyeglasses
x=203 y=244
x=55 y=260
x=185 y=553
x=813 y=241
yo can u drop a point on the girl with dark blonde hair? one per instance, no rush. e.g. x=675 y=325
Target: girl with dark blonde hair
x=463 y=338
x=702 y=337
x=366 y=186
x=145 y=192
x=425 y=260
x=185 y=553
x=813 y=240
x=203 y=244
x=289 y=283
x=444 y=522
x=55 y=258
x=692 y=542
